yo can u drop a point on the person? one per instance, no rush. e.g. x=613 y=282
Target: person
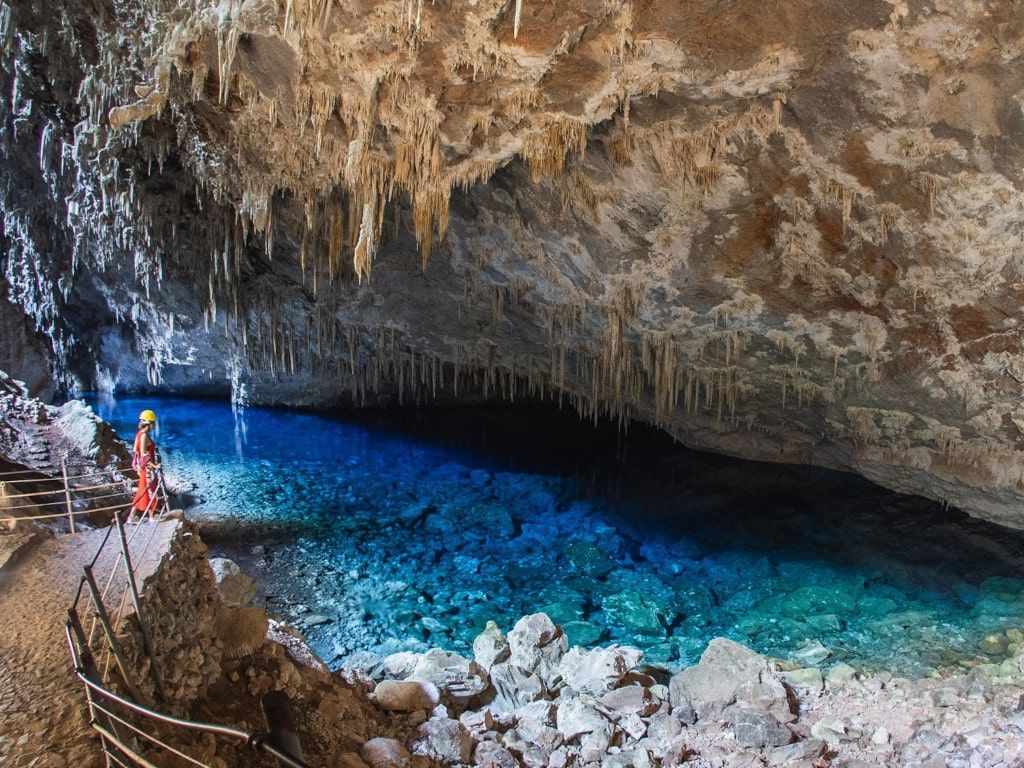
x=146 y=463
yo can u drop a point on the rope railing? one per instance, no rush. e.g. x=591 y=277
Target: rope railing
x=132 y=734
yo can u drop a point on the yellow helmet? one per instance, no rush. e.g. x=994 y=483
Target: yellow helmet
x=148 y=415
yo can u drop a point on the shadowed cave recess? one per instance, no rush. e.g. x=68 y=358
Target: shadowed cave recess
x=671 y=320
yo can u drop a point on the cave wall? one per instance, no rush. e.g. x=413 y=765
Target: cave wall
x=776 y=231
x=23 y=353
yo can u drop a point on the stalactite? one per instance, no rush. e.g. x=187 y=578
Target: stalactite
x=228 y=34
x=931 y=184
x=888 y=217
x=546 y=150
x=777 y=104
x=366 y=244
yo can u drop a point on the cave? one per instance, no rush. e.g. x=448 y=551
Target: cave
x=404 y=384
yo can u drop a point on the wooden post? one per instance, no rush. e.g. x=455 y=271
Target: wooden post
x=137 y=602
x=280 y=725
x=108 y=630
x=67 y=494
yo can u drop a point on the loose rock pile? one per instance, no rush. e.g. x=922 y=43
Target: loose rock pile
x=527 y=699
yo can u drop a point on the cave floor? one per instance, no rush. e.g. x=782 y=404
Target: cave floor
x=42 y=706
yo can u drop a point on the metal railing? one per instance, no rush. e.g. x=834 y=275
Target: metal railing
x=77 y=500
x=132 y=732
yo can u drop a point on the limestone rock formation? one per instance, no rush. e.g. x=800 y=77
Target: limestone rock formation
x=779 y=230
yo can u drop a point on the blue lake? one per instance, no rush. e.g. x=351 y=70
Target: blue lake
x=395 y=530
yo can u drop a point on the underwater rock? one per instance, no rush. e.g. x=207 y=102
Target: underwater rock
x=876 y=606
x=635 y=612
x=811 y=653
x=583 y=633
x=993 y=645
x=812 y=600
x=825 y=622
x=564 y=612
x=588 y=559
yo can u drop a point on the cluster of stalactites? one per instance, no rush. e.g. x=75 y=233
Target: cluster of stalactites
x=354 y=161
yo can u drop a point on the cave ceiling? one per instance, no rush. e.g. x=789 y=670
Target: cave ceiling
x=782 y=229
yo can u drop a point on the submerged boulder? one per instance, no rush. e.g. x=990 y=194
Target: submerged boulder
x=589 y=560
x=583 y=632
x=635 y=612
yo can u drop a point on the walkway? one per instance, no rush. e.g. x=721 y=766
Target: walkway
x=42 y=709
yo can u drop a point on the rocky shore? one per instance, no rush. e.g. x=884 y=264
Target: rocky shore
x=527 y=698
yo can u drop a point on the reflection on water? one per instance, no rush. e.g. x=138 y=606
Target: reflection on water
x=392 y=530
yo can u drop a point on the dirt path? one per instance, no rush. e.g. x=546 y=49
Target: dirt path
x=42 y=714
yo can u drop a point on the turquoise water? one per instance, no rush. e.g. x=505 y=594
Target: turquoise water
x=401 y=530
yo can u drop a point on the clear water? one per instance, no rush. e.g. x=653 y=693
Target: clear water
x=401 y=530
